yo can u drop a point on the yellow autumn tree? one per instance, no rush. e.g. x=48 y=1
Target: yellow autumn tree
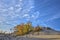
x=27 y=27
x=19 y=29
x=23 y=29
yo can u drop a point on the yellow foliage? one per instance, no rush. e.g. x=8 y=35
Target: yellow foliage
x=23 y=29
x=27 y=28
x=19 y=30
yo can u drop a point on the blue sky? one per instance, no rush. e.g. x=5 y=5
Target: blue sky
x=49 y=12
x=39 y=12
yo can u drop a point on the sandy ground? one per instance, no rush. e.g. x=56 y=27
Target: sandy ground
x=47 y=37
